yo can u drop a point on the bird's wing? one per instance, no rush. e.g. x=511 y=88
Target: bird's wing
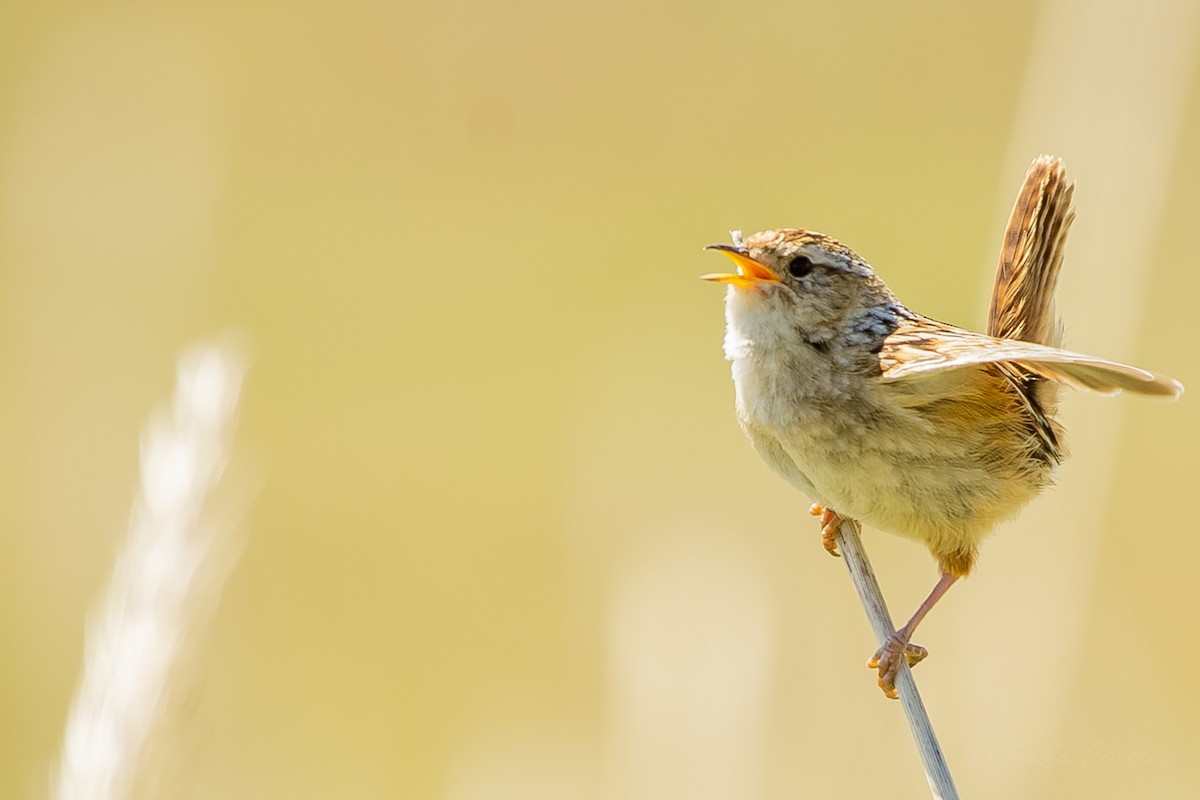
x=929 y=347
x=1031 y=256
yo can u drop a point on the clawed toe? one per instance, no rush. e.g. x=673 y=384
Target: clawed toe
x=887 y=661
x=830 y=522
x=914 y=654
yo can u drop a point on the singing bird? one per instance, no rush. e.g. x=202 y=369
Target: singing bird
x=887 y=417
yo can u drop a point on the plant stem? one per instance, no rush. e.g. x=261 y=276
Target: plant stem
x=936 y=770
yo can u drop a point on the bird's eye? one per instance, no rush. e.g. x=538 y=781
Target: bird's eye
x=800 y=266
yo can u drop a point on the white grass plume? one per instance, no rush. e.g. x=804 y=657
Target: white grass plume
x=166 y=581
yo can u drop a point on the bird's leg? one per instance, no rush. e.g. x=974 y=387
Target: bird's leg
x=830 y=522
x=887 y=658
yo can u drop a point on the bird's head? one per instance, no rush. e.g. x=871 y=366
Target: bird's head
x=801 y=280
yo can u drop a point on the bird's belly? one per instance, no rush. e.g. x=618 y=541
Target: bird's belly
x=892 y=467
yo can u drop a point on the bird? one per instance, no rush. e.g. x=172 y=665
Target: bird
x=888 y=418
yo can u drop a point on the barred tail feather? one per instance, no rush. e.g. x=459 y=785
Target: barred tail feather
x=1031 y=257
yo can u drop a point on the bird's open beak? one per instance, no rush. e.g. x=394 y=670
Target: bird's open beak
x=749 y=271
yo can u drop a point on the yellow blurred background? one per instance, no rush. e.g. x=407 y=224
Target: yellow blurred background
x=509 y=542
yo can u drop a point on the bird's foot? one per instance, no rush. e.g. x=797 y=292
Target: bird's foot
x=887 y=660
x=830 y=522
